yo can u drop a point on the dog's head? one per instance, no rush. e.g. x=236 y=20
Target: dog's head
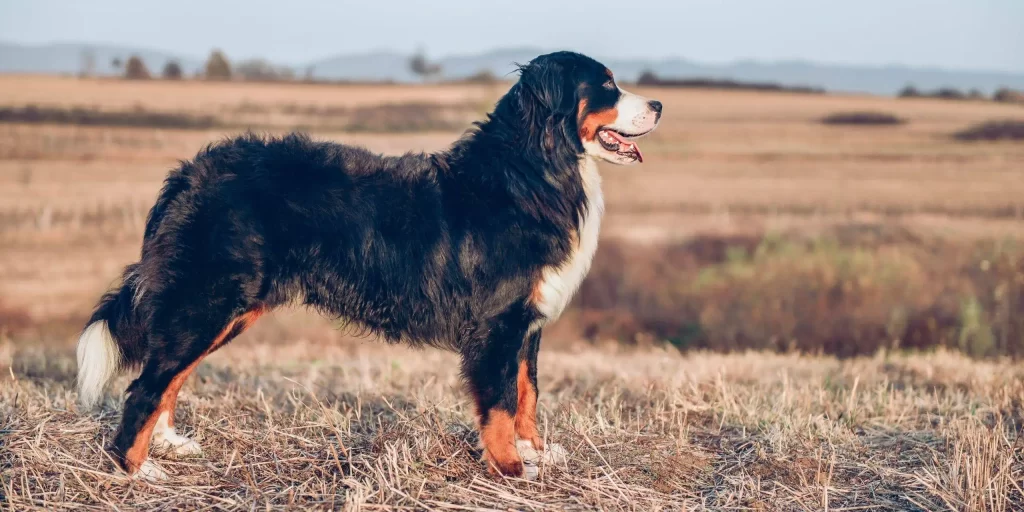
x=574 y=102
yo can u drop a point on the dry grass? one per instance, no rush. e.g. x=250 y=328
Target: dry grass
x=386 y=118
x=363 y=426
x=207 y=96
x=296 y=415
x=729 y=155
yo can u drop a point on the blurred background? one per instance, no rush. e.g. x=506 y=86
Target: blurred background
x=828 y=178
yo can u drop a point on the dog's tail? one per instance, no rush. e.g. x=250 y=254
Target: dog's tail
x=112 y=342
x=114 y=339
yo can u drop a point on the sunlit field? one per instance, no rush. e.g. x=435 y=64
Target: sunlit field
x=782 y=315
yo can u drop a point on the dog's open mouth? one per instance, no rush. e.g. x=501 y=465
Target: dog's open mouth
x=619 y=143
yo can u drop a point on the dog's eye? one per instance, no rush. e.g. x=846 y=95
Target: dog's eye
x=610 y=85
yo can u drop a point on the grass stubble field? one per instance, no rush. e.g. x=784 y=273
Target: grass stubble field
x=295 y=414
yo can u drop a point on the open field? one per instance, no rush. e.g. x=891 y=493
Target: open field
x=367 y=427
x=751 y=225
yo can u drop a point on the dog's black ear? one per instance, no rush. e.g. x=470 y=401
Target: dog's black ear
x=549 y=98
x=551 y=84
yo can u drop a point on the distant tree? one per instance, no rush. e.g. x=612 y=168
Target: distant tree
x=647 y=77
x=975 y=94
x=1007 y=95
x=909 y=92
x=949 y=93
x=262 y=70
x=217 y=66
x=422 y=67
x=116 y=63
x=135 y=69
x=172 y=70
x=308 y=74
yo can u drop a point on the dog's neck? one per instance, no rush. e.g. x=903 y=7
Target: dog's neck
x=500 y=159
x=537 y=156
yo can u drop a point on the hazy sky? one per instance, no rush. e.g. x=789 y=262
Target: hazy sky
x=965 y=34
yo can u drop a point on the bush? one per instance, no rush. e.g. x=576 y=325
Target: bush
x=949 y=93
x=1007 y=95
x=1008 y=129
x=135 y=69
x=648 y=78
x=263 y=71
x=863 y=118
x=172 y=71
x=943 y=93
x=909 y=92
x=852 y=292
x=217 y=66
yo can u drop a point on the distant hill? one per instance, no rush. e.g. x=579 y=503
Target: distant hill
x=67 y=58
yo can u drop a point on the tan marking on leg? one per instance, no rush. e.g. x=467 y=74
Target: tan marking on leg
x=139 y=451
x=499 y=440
x=526 y=410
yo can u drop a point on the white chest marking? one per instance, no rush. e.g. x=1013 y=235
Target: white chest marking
x=559 y=284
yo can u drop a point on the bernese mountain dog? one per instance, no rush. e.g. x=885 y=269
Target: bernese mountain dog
x=473 y=249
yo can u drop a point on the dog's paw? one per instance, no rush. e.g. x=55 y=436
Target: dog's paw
x=553 y=453
x=530 y=471
x=150 y=472
x=178 y=446
x=167 y=442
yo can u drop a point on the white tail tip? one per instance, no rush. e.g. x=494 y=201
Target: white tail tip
x=99 y=360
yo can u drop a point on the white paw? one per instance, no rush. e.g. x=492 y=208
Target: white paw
x=530 y=471
x=526 y=450
x=166 y=440
x=180 y=446
x=553 y=453
x=150 y=472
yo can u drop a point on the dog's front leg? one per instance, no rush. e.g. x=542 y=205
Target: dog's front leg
x=491 y=367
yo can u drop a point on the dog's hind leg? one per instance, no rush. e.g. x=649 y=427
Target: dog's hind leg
x=149 y=409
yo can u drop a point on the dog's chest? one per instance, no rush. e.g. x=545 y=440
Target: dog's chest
x=558 y=284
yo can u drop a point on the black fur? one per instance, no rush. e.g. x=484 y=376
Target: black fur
x=442 y=249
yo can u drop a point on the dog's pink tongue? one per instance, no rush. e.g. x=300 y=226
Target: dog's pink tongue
x=627 y=146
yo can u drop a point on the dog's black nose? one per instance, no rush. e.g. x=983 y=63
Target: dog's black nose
x=655 y=106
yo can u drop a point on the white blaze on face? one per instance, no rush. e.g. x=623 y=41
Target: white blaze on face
x=634 y=116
